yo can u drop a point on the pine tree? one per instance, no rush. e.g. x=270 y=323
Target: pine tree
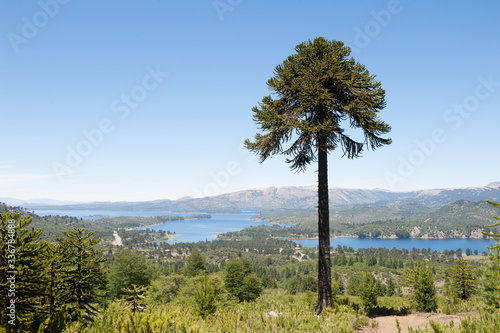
x=490 y=287
x=128 y=268
x=420 y=280
x=54 y=265
x=368 y=290
x=136 y=294
x=353 y=285
x=21 y=264
x=84 y=279
x=207 y=294
x=391 y=287
x=463 y=278
x=316 y=90
x=337 y=285
x=494 y=250
x=195 y=264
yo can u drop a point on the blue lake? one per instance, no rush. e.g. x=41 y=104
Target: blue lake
x=404 y=243
x=202 y=230
x=207 y=229
x=188 y=230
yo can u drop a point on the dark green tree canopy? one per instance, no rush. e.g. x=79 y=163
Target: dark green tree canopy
x=420 y=280
x=315 y=90
x=84 y=276
x=128 y=268
x=490 y=289
x=196 y=264
x=494 y=250
x=241 y=281
x=368 y=290
x=463 y=278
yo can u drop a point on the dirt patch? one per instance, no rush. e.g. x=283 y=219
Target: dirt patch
x=439 y=284
x=118 y=239
x=417 y=320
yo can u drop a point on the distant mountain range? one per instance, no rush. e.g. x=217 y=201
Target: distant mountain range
x=41 y=201
x=285 y=198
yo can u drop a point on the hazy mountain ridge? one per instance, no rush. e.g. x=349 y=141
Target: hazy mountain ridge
x=460 y=219
x=289 y=198
x=40 y=201
x=440 y=197
x=494 y=184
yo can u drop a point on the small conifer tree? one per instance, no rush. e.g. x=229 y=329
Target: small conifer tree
x=463 y=278
x=420 y=280
x=368 y=290
x=136 y=294
x=494 y=250
x=490 y=288
x=207 y=294
x=391 y=287
x=195 y=264
x=129 y=267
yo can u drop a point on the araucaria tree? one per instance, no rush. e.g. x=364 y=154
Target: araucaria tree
x=84 y=278
x=463 y=278
x=316 y=91
x=368 y=290
x=490 y=290
x=494 y=250
x=420 y=281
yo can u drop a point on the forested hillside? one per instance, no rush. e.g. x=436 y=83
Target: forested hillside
x=249 y=280
x=461 y=219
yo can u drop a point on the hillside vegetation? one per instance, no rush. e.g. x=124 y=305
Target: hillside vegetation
x=103 y=227
x=461 y=219
x=245 y=281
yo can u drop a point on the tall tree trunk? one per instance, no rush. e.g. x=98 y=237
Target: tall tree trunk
x=324 y=273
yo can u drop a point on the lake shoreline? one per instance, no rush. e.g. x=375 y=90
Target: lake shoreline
x=436 y=244
x=192 y=231
x=357 y=237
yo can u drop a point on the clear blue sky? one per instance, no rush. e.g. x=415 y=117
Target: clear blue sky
x=141 y=100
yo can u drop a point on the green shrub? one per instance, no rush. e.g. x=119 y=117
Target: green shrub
x=165 y=288
x=240 y=280
x=269 y=313
x=196 y=264
x=206 y=295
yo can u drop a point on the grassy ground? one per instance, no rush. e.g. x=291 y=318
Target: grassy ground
x=272 y=312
